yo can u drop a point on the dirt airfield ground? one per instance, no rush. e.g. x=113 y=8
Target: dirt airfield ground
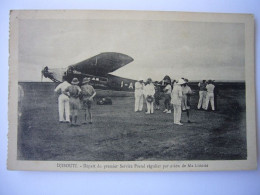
x=120 y=134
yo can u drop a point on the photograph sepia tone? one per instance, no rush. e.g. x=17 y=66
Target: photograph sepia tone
x=131 y=91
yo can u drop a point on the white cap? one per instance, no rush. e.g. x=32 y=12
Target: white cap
x=140 y=79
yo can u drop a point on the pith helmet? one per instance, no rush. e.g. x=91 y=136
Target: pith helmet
x=75 y=81
x=86 y=80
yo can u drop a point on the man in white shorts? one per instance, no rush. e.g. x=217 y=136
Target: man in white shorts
x=73 y=92
x=88 y=93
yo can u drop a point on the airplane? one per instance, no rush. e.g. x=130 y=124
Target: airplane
x=98 y=69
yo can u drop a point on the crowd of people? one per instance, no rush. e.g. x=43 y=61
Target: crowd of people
x=176 y=95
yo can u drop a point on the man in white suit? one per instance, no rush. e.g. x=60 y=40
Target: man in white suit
x=63 y=102
x=176 y=100
x=139 y=96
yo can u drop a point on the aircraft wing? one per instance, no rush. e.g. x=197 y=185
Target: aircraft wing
x=102 y=64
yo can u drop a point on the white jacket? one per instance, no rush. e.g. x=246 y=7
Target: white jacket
x=176 y=96
x=149 y=90
x=139 y=87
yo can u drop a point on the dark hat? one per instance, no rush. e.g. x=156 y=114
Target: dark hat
x=167 y=77
x=167 y=81
x=149 y=79
x=75 y=81
x=149 y=99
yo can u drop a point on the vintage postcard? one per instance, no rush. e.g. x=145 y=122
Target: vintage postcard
x=131 y=91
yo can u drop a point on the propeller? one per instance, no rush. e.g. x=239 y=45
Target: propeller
x=44 y=72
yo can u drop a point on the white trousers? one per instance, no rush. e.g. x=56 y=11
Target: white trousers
x=202 y=99
x=64 y=106
x=210 y=98
x=139 y=101
x=149 y=107
x=177 y=113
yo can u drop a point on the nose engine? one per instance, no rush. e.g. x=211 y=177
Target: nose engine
x=54 y=74
x=47 y=74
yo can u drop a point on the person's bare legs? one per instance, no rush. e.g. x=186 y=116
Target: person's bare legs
x=90 y=115
x=188 y=115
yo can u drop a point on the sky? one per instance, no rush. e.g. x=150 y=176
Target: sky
x=193 y=50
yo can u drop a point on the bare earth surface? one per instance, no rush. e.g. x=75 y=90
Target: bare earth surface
x=120 y=134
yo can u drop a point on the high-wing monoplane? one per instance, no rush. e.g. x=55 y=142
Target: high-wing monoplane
x=98 y=69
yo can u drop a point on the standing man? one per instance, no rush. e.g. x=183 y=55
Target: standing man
x=210 y=95
x=167 y=95
x=88 y=93
x=157 y=95
x=149 y=92
x=176 y=99
x=73 y=91
x=139 y=97
x=216 y=94
x=63 y=101
x=186 y=93
x=202 y=94
x=173 y=83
